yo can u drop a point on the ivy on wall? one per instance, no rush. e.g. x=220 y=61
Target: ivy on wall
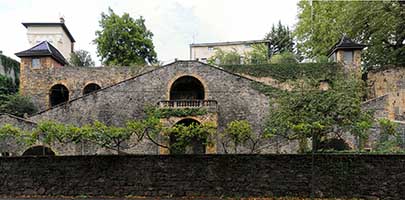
x=287 y=71
x=10 y=64
x=267 y=90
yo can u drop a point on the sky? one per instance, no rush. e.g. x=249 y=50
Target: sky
x=174 y=23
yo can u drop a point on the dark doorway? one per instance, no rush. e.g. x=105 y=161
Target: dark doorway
x=91 y=88
x=196 y=145
x=187 y=88
x=58 y=94
x=39 y=151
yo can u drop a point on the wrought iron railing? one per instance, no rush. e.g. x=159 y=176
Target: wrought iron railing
x=187 y=104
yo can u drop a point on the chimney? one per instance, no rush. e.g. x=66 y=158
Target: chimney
x=62 y=20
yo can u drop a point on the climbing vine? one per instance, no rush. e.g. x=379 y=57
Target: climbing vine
x=287 y=71
x=10 y=64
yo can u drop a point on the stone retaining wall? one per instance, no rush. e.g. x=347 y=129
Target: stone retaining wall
x=363 y=176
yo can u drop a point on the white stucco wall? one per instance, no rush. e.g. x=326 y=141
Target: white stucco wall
x=208 y=51
x=55 y=35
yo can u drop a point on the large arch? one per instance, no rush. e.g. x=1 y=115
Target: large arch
x=58 y=94
x=196 y=146
x=39 y=151
x=91 y=87
x=187 y=88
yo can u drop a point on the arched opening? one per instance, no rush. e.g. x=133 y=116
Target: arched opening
x=196 y=145
x=90 y=88
x=39 y=151
x=58 y=94
x=187 y=88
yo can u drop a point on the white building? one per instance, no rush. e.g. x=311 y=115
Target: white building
x=203 y=51
x=55 y=33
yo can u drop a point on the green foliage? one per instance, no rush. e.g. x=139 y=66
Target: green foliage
x=361 y=129
x=8 y=131
x=225 y=57
x=390 y=140
x=124 y=41
x=10 y=64
x=377 y=24
x=267 y=90
x=81 y=58
x=258 y=55
x=287 y=71
x=280 y=40
x=308 y=112
x=7 y=86
x=17 y=105
x=285 y=57
x=236 y=133
x=179 y=112
x=186 y=135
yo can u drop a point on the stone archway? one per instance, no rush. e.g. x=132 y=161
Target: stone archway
x=91 y=87
x=39 y=151
x=187 y=88
x=196 y=146
x=58 y=94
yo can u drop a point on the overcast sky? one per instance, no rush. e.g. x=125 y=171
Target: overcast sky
x=174 y=23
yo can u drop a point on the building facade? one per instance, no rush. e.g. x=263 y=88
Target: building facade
x=204 y=51
x=55 y=33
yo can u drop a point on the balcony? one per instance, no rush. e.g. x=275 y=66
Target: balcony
x=210 y=104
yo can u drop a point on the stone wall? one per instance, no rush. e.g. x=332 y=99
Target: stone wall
x=127 y=100
x=389 y=81
x=361 y=176
x=36 y=83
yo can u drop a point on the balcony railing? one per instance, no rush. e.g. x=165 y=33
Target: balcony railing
x=188 y=104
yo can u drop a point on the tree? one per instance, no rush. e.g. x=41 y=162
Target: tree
x=258 y=55
x=7 y=86
x=81 y=58
x=235 y=134
x=280 y=40
x=17 y=105
x=309 y=112
x=124 y=41
x=222 y=57
x=377 y=24
x=285 y=57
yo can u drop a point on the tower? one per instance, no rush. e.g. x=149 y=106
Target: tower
x=347 y=53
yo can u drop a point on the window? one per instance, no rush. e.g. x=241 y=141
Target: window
x=36 y=63
x=210 y=48
x=204 y=60
x=348 y=57
x=247 y=45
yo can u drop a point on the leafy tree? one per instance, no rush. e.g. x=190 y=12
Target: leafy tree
x=81 y=58
x=185 y=136
x=259 y=55
x=377 y=24
x=9 y=132
x=280 y=40
x=239 y=133
x=390 y=140
x=124 y=41
x=222 y=57
x=285 y=57
x=309 y=112
x=17 y=105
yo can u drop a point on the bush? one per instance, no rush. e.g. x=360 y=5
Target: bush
x=16 y=105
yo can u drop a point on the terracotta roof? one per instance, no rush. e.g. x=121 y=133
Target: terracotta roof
x=345 y=43
x=43 y=49
x=51 y=24
x=228 y=43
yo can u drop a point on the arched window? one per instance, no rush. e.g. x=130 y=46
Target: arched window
x=39 y=151
x=187 y=88
x=196 y=146
x=90 y=88
x=58 y=94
